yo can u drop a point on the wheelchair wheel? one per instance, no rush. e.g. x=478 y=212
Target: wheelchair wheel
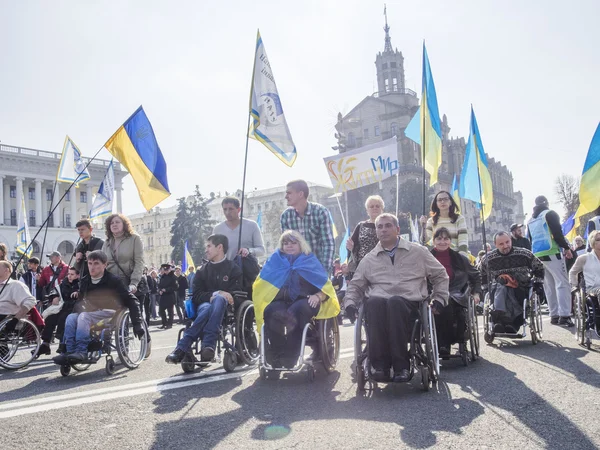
x=425 y=379
x=535 y=318
x=580 y=318
x=65 y=370
x=20 y=342
x=473 y=330
x=229 y=361
x=187 y=364
x=110 y=366
x=430 y=338
x=329 y=343
x=361 y=355
x=130 y=349
x=246 y=334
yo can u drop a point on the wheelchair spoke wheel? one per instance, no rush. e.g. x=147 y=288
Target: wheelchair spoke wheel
x=20 y=341
x=329 y=343
x=360 y=338
x=130 y=349
x=473 y=331
x=580 y=318
x=535 y=320
x=246 y=334
x=431 y=348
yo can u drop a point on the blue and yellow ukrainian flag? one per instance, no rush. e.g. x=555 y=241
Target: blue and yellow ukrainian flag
x=276 y=271
x=134 y=145
x=187 y=260
x=454 y=191
x=475 y=179
x=589 y=187
x=569 y=229
x=431 y=130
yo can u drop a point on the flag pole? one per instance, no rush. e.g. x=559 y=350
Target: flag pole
x=45 y=224
x=423 y=138
x=397 y=191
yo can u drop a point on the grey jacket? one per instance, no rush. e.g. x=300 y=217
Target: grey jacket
x=129 y=255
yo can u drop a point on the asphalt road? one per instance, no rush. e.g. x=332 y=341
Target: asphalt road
x=516 y=396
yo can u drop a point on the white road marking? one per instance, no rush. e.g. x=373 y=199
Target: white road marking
x=14 y=409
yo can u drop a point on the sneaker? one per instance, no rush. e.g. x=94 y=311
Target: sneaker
x=175 y=357
x=207 y=354
x=554 y=320
x=61 y=360
x=381 y=375
x=566 y=321
x=76 y=357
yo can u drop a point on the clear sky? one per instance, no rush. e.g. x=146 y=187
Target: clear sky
x=530 y=68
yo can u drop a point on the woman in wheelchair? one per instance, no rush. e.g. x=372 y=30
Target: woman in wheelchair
x=291 y=289
x=588 y=264
x=101 y=295
x=465 y=280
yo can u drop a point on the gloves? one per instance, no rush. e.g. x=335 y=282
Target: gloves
x=436 y=307
x=351 y=313
x=138 y=330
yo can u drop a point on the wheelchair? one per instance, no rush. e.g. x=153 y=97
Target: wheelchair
x=424 y=356
x=237 y=339
x=468 y=351
x=532 y=317
x=322 y=335
x=585 y=317
x=130 y=349
x=20 y=341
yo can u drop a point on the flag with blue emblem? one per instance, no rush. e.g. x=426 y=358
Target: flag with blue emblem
x=103 y=202
x=275 y=273
x=71 y=167
x=23 y=246
x=268 y=124
x=134 y=145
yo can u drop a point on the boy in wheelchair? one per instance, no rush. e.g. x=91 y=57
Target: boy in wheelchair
x=509 y=272
x=212 y=290
x=101 y=294
x=396 y=274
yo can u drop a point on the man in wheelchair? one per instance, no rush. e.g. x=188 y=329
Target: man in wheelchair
x=508 y=272
x=213 y=286
x=395 y=274
x=15 y=298
x=101 y=294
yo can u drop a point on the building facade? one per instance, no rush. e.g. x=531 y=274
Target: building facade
x=30 y=174
x=386 y=113
x=154 y=227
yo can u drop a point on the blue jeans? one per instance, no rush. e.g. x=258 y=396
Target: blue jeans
x=77 y=329
x=209 y=317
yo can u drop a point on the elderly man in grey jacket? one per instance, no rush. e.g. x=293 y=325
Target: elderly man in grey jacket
x=395 y=275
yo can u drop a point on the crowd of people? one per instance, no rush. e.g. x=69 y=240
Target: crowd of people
x=387 y=274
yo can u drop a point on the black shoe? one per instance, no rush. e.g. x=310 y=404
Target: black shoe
x=402 y=376
x=62 y=348
x=77 y=357
x=566 y=321
x=443 y=351
x=168 y=327
x=175 y=357
x=381 y=375
x=510 y=329
x=44 y=349
x=207 y=354
x=162 y=327
x=554 y=320
x=61 y=360
x=498 y=328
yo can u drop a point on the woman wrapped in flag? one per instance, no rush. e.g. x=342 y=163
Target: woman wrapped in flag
x=291 y=289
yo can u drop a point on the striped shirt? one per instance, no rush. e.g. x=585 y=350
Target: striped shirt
x=458 y=231
x=316 y=227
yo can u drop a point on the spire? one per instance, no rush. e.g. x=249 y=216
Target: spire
x=388 y=39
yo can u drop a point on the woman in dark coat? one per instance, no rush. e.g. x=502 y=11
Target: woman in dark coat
x=364 y=238
x=450 y=324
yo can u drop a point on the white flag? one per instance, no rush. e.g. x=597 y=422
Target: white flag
x=71 y=167
x=23 y=237
x=414 y=229
x=103 y=202
x=268 y=121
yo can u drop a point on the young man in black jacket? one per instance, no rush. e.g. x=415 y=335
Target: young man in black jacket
x=88 y=243
x=167 y=289
x=213 y=288
x=101 y=294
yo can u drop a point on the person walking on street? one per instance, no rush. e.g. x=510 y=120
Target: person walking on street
x=167 y=289
x=312 y=220
x=181 y=291
x=551 y=247
x=517 y=237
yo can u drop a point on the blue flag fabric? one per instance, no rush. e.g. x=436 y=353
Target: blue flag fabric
x=343 y=249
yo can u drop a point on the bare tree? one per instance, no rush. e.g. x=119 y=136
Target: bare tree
x=566 y=188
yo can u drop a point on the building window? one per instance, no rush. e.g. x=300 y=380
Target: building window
x=31 y=193
x=51 y=220
x=13 y=192
x=387 y=85
x=258 y=208
x=395 y=84
x=48 y=195
x=31 y=218
x=393 y=64
x=394 y=129
x=351 y=140
x=83 y=197
x=158 y=224
x=68 y=196
x=376 y=133
x=67 y=220
x=384 y=66
x=13 y=217
x=366 y=133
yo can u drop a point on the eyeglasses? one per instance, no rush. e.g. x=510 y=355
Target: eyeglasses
x=443 y=199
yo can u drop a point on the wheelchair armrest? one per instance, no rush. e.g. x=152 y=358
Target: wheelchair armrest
x=240 y=294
